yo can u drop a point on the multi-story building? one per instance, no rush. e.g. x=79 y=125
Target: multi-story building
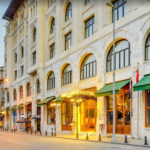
x=58 y=53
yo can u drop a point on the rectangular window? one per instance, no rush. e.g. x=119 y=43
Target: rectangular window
x=34 y=58
x=22 y=53
x=15 y=74
x=22 y=70
x=87 y=1
x=120 y=9
x=15 y=96
x=52 y=51
x=51 y=113
x=68 y=41
x=89 y=27
x=15 y=58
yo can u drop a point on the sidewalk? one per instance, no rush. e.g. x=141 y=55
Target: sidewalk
x=91 y=138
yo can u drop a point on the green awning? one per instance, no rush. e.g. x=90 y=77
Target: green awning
x=44 y=102
x=20 y=106
x=108 y=88
x=14 y=107
x=27 y=103
x=58 y=100
x=143 y=84
x=8 y=108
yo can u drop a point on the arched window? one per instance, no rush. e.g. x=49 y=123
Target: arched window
x=15 y=58
x=51 y=81
x=21 y=92
x=34 y=35
x=15 y=94
x=68 y=14
x=122 y=56
x=52 y=26
x=66 y=75
x=7 y=96
x=88 y=67
x=28 y=89
x=147 y=48
x=22 y=52
x=38 y=86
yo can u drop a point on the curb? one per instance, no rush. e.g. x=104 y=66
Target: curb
x=127 y=144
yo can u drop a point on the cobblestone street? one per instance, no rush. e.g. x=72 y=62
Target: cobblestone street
x=17 y=141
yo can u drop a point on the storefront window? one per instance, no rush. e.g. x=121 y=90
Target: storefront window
x=147 y=108
x=127 y=102
x=51 y=114
x=21 y=115
x=110 y=118
x=119 y=109
x=110 y=103
x=110 y=110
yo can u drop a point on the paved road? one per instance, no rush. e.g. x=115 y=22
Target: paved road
x=16 y=141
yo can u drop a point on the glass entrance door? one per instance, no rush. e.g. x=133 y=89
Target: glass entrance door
x=122 y=114
x=119 y=114
x=67 y=115
x=88 y=116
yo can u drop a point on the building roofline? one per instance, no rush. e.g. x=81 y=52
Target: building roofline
x=11 y=10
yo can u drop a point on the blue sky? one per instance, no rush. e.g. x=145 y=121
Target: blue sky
x=3 y=6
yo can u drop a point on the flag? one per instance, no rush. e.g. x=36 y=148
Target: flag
x=137 y=76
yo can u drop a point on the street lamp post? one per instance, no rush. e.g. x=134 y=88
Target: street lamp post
x=112 y=6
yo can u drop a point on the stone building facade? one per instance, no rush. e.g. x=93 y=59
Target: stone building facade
x=55 y=40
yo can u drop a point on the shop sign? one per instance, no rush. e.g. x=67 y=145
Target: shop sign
x=77 y=92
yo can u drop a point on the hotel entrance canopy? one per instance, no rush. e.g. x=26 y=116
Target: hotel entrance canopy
x=108 y=88
x=143 y=84
x=44 y=102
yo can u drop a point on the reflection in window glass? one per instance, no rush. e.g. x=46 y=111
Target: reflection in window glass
x=120 y=8
x=87 y=1
x=122 y=59
x=68 y=41
x=127 y=117
x=110 y=118
x=88 y=67
x=122 y=51
x=51 y=81
x=147 y=48
x=126 y=58
x=148 y=116
x=117 y=61
x=110 y=103
x=120 y=12
x=67 y=75
x=89 y=27
x=68 y=12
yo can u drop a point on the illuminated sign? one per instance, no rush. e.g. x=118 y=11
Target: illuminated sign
x=77 y=92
